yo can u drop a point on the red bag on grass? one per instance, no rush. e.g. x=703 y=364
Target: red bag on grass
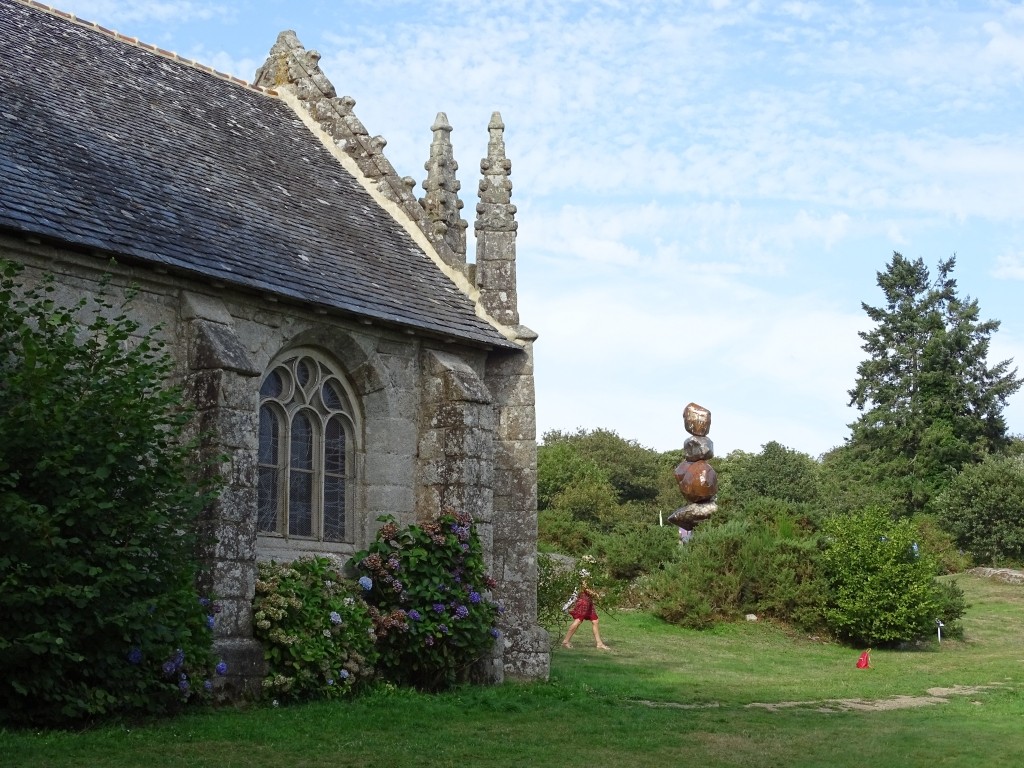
x=865 y=660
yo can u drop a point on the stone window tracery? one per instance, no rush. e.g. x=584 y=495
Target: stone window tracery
x=306 y=451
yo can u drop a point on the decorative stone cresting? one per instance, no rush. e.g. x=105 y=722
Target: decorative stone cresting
x=698 y=481
x=290 y=65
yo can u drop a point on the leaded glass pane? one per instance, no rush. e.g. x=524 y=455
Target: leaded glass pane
x=334 y=508
x=266 y=514
x=273 y=385
x=300 y=481
x=331 y=397
x=334 y=447
x=269 y=436
x=303 y=371
x=267 y=479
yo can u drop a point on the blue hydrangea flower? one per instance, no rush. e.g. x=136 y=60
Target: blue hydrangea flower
x=494 y=632
x=461 y=612
x=366 y=582
x=330 y=681
x=222 y=668
x=344 y=674
x=135 y=656
x=169 y=668
x=208 y=685
x=179 y=657
x=210 y=621
x=438 y=607
x=183 y=685
x=335 y=617
x=474 y=597
x=414 y=615
x=443 y=628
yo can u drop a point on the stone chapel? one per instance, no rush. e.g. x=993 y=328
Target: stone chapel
x=339 y=348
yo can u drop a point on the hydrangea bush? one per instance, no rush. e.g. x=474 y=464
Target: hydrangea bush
x=430 y=596
x=317 y=632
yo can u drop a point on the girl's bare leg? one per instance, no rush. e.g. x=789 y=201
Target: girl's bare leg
x=597 y=637
x=572 y=629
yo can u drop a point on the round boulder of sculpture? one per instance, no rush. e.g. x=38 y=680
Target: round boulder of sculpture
x=697 y=480
x=696 y=419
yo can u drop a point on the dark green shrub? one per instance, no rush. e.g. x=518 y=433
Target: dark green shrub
x=632 y=550
x=983 y=509
x=882 y=586
x=557 y=529
x=741 y=566
x=98 y=547
x=316 y=630
x=429 y=591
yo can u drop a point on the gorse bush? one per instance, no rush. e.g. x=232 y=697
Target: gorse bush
x=740 y=566
x=430 y=595
x=882 y=586
x=317 y=634
x=98 y=547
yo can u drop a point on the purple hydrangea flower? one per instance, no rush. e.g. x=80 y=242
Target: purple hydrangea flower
x=135 y=656
x=335 y=617
x=429 y=640
x=169 y=668
x=210 y=621
x=495 y=632
x=438 y=607
x=414 y=615
x=183 y=685
x=474 y=597
x=179 y=657
x=461 y=612
x=366 y=582
x=208 y=685
x=393 y=563
x=443 y=629
x=222 y=668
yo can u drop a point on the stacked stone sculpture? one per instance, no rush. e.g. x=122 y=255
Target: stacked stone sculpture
x=698 y=481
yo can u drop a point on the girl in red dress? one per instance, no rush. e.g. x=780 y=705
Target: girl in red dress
x=584 y=610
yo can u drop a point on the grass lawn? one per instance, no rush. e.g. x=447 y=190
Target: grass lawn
x=740 y=695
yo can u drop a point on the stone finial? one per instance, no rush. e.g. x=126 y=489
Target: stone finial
x=496 y=230
x=441 y=203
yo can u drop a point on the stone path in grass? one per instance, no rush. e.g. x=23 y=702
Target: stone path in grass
x=934 y=696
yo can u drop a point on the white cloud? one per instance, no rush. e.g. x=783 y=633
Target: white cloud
x=1009 y=267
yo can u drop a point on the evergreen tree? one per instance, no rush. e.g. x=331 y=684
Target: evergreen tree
x=931 y=403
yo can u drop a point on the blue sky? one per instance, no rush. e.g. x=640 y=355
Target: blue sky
x=706 y=190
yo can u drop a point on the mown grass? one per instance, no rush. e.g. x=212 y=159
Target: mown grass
x=662 y=697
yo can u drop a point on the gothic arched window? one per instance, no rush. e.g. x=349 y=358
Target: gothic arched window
x=306 y=461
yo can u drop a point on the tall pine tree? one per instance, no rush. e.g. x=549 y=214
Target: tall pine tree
x=930 y=402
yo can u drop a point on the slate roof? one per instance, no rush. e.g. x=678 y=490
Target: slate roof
x=108 y=146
